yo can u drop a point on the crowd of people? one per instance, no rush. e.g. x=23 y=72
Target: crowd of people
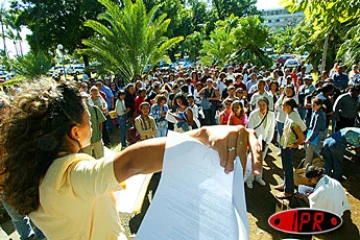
x=287 y=107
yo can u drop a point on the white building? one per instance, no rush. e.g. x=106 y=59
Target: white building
x=280 y=17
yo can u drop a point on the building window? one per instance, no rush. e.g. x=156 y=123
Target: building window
x=277 y=20
x=269 y=21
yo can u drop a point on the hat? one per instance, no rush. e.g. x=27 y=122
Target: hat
x=308 y=77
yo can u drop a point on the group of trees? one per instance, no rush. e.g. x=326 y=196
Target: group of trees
x=128 y=35
x=330 y=27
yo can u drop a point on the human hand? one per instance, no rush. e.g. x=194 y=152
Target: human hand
x=232 y=141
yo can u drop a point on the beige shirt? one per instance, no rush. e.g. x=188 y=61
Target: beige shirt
x=76 y=200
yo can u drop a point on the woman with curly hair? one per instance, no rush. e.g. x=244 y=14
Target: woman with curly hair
x=68 y=194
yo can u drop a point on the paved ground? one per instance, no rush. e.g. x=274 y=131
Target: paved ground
x=261 y=203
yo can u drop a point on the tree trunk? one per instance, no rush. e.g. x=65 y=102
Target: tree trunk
x=86 y=63
x=172 y=56
x=323 y=59
x=3 y=35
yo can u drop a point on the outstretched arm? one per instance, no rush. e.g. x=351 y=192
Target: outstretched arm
x=147 y=156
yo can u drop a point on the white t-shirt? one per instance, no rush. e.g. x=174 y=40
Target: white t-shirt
x=255 y=98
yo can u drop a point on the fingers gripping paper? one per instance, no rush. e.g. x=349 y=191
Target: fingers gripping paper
x=195 y=198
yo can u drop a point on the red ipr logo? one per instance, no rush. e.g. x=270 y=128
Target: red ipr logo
x=305 y=221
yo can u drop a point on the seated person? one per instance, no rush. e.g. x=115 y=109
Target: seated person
x=328 y=193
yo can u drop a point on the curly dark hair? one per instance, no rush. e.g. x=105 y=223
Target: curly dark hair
x=32 y=134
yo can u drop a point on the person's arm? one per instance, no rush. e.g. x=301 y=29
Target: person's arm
x=271 y=121
x=315 y=130
x=131 y=161
x=190 y=117
x=337 y=108
x=221 y=118
x=153 y=129
x=112 y=102
x=216 y=97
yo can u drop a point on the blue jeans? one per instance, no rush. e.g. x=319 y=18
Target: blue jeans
x=22 y=224
x=280 y=129
x=287 y=156
x=162 y=131
x=109 y=124
x=122 y=126
x=302 y=113
x=333 y=157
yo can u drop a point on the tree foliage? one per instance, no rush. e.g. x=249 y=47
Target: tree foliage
x=129 y=39
x=32 y=65
x=237 y=38
x=240 y=8
x=337 y=19
x=54 y=22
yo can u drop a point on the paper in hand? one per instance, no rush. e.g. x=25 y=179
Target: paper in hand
x=195 y=198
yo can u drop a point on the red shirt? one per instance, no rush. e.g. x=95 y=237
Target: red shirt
x=137 y=102
x=240 y=85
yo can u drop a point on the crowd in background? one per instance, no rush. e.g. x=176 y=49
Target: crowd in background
x=287 y=107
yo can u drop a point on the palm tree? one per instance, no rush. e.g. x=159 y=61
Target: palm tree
x=130 y=39
x=11 y=36
x=32 y=65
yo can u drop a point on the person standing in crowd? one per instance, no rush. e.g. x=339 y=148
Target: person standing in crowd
x=158 y=112
x=97 y=100
x=316 y=129
x=209 y=98
x=184 y=115
x=195 y=110
x=354 y=71
x=130 y=102
x=225 y=114
x=156 y=87
x=302 y=72
x=220 y=83
x=97 y=118
x=239 y=81
x=307 y=89
x=206 y=75
x=252 y=82
x=225 y=93
x=292 y=137
x=139 y=99
x=260 y=94
x=328 y=194
x=334 y=150
x=280 y=114
x=145 y=125
x=274 y=91
x=262 y=120
x=194 y=78
x=110 y=103
x=230 y=74
x=121 y=111
x=231 y=93
x=346 y=108
x=114 y=88
x=340 y=79
x=238 y=115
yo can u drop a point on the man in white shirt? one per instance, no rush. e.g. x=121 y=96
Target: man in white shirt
x=261 y=93
x=230 y=74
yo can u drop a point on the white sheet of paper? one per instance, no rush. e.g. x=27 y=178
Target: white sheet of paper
x=195 y=199
x=303 y=189
x=170 y=117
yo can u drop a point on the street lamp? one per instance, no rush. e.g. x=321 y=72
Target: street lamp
x=59 y=51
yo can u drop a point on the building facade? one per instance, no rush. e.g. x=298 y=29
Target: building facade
x=280 y=18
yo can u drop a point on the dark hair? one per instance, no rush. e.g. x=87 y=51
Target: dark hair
x=183 y=99
x=274 y=82
x=292 y=88
x=312 y=172
x=159 y=98
x=32 y=134
x=291 y=103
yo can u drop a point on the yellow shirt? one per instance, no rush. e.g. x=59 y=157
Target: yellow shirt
x=76 y=200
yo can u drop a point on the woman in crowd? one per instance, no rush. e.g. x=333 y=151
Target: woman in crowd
x=158 y=112
x=328 y=194
x=121 y=112
x=145 y=124
x=210 y=96
x=316 y=129
x=197 y=113
x=184 y=115
x=263 y=122
x=225 y=114
x=97 y=100
x=194 y=78
x=69 y=195
x=274 y=91
x=114 y=89
x=292 y=137
x=280 y=114
x=238 y=115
